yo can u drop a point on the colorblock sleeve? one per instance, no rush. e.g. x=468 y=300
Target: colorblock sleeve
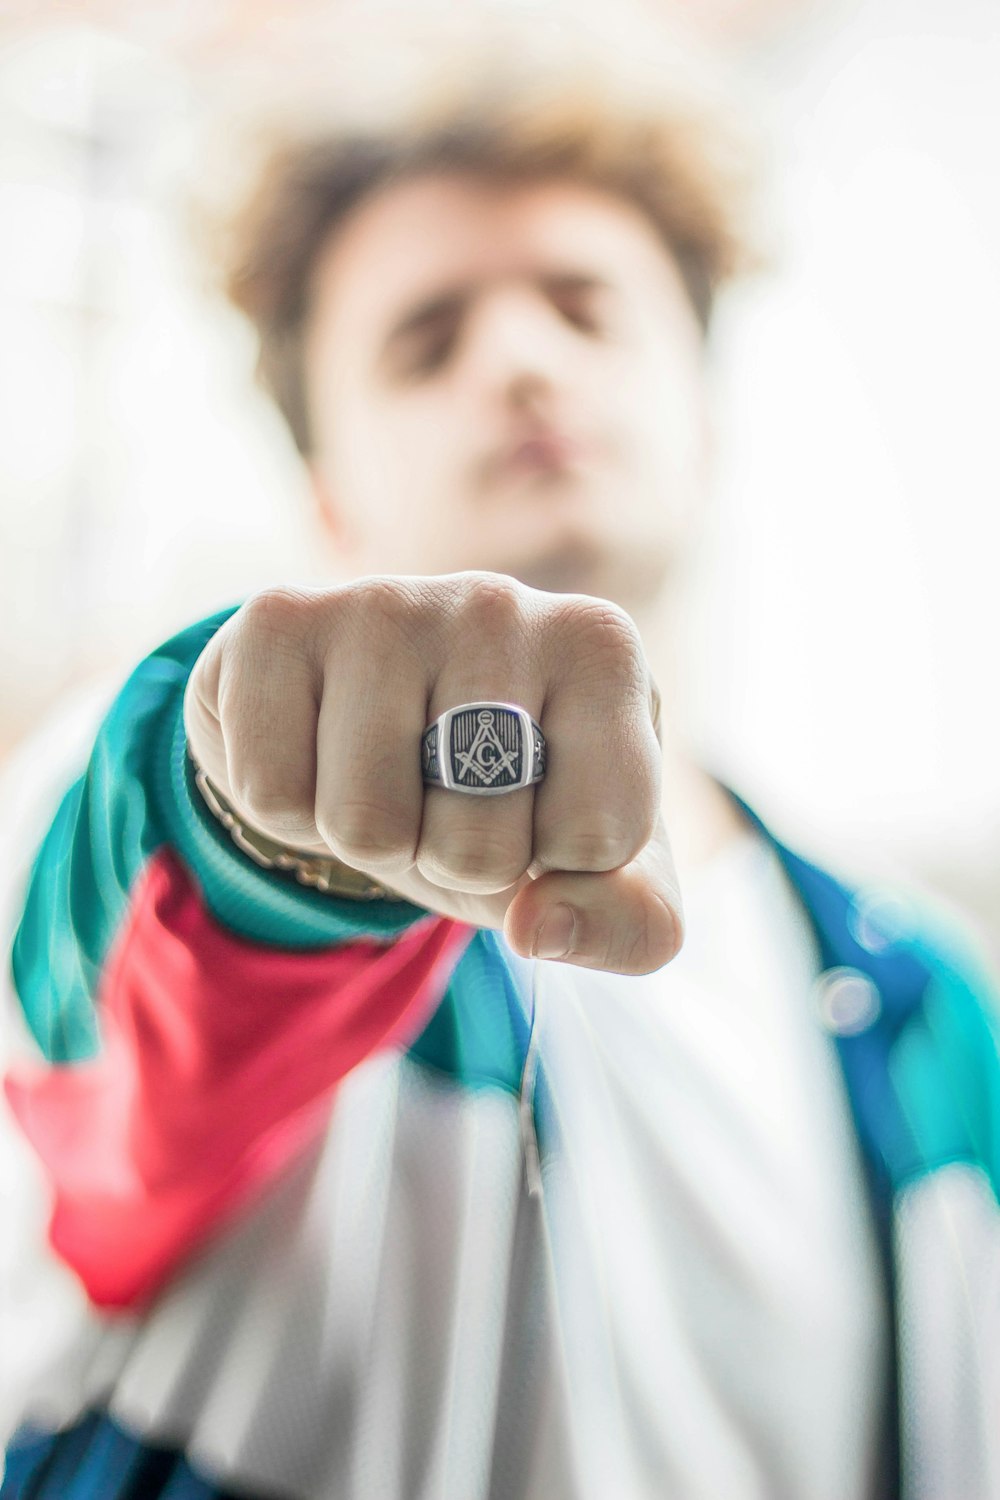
x=192 y=1012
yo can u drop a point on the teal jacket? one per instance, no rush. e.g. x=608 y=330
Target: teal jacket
x=137 y=896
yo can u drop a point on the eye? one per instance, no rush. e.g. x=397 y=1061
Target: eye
x=427 y=347
x=431 y=355
x=583 y=310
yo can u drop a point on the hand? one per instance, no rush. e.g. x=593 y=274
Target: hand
x=307 y=708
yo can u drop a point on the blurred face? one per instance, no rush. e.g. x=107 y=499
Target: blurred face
x=506 y=377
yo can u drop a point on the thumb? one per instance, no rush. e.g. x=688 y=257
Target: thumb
x=627 y=921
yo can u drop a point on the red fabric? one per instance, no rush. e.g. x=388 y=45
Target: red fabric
x=218 y=1064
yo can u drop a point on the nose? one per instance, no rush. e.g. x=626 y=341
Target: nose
x=517 y=349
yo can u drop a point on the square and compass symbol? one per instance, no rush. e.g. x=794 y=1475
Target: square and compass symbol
x=483 y=748
x=487 y=747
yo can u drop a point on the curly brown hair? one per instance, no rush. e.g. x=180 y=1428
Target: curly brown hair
x=513 y=93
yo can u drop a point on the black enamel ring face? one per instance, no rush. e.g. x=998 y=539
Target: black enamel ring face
x=484 y=749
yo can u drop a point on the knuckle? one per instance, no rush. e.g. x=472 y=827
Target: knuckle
x=367 y=833
x=275 y=611
x=601 y=631
x=276 y=811
x=593 y=848
x=491 y=602
x=382 y=597
x=474 y=860
x=387 y=612
x=273 y=634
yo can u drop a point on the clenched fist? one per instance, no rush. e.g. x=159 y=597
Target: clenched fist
x=307 y=708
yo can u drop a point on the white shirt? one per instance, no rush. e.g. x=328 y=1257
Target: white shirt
x=688 y=1305
x=711 y=1176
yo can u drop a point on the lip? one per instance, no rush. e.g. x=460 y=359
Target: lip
x=545 y=450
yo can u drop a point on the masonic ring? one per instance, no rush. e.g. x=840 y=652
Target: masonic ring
x=483 y=748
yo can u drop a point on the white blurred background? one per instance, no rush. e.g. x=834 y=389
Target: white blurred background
x=843 y=657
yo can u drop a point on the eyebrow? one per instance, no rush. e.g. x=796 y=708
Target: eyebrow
x=432 y=308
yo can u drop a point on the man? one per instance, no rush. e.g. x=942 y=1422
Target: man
x=361 y=1200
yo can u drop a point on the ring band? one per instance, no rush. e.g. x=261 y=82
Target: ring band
x=484 y=749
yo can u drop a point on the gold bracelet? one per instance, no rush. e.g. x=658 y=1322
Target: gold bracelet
x=322 y=871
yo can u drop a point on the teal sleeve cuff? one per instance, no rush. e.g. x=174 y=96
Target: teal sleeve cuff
x=136 y=796
x=104 y=831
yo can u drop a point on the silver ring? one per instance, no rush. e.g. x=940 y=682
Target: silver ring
x=484 y=749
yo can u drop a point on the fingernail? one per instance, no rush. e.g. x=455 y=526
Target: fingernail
x=554 y=937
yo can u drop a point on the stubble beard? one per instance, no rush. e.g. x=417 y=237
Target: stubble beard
x=635 y=579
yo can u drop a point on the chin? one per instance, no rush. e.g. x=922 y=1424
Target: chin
x=631 y=579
